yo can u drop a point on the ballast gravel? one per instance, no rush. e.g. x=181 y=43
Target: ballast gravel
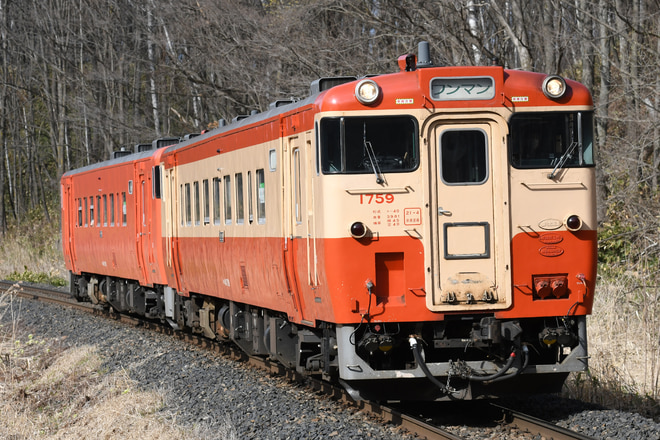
x=230 y=400
x=204 y=390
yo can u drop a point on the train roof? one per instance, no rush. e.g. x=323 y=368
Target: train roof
x=133 y=157
x=246 y=121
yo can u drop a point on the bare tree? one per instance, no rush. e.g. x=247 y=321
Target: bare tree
x=81 y=78
x=4 y=98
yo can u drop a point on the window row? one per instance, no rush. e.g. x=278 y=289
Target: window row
x=103 y=212
x=226 y=197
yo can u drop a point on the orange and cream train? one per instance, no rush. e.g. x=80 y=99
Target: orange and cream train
x=427 y=234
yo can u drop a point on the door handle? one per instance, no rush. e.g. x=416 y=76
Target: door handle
x=443 y=212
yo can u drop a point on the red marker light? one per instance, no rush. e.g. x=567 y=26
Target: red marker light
x=358 y=230
x=573 y=223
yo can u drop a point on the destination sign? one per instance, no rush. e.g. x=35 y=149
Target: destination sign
x=463 y=89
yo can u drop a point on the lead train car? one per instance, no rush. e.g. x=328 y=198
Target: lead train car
x=427 y=234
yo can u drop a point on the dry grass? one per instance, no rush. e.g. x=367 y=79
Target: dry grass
x=33 y=253
x=624 y=338
x=52 y=392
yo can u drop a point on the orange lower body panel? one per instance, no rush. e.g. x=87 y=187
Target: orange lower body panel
x=349 y=281
x=554 y=274
x=395 y=267
x=330 y=286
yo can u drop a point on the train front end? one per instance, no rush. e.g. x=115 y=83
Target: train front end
x=458 y=214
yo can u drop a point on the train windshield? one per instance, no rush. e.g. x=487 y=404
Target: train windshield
x=367 y=145
x=551 y=140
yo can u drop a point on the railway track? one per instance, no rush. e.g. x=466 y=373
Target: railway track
x=421 y=425
x=537 y=426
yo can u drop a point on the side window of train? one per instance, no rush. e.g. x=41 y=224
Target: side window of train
x=91 y=211
x=368 y=145
x=318 y=148
x=182 y=198
x=105 y=210
x=188 y=205
x=272 y=160
x=197 y=203
x=297 y=189
x=85 y=203
x=156 y=184
x=216 y=201
x=227 y=199
x=464 y=157
x=123 y=209
x=112 y=209
x=249 y=189
x=80 y=214
x=240 y=208
x=98 y=210
x=261 y=196
x=206 y=202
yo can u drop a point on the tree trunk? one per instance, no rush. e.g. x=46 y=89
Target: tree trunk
x=586 y=26
x=518 y=39
x=602 y=113
x=152 y=70
x=3 y=112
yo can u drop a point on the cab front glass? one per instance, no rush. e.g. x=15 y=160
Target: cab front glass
x=363 y=145
x=551 y=139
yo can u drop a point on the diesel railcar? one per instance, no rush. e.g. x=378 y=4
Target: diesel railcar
x=428 y=234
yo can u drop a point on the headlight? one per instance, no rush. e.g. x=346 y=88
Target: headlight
x=554 y=87
x=367 y=92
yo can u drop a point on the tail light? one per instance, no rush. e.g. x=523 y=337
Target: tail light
x=359 y=230
x=573 y=223
x=550 y=286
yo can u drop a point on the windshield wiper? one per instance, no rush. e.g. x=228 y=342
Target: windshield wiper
x=372 y=156
x=563 y=159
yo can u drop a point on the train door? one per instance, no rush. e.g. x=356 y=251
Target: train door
x=172 y=222
x=170 y=217
x=470 y=224
x=310 y=239
x=71 y=214
x=299 y=244
x=143 y=222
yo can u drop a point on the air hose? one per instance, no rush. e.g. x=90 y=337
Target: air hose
x=499 y=375
x=420 y=361
x=504 y=369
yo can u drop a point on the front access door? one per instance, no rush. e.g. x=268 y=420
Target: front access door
x=470 y=244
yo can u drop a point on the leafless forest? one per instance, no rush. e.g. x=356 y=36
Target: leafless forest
x=81 y=78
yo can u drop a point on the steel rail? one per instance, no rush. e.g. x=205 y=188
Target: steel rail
x=414 y=425
x=48 y=293
x=538 y=426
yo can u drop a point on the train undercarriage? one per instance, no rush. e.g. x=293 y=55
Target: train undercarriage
x=462 y=357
